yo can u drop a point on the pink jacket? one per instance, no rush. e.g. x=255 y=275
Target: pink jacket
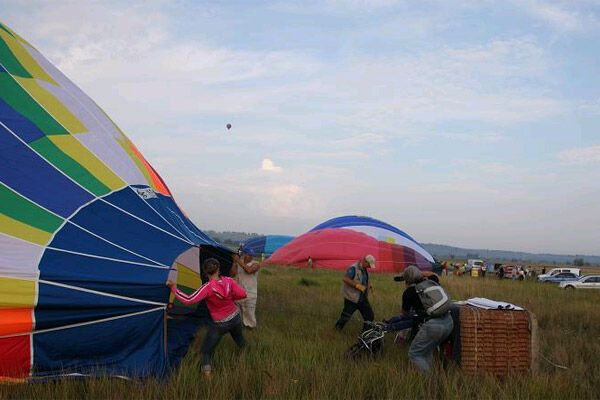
x=219 y=294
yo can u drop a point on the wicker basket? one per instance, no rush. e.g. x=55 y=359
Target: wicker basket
x=497 y=341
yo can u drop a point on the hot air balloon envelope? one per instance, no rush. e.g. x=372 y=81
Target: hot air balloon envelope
x=339 y=242
x=266 y=245
x=89 y=233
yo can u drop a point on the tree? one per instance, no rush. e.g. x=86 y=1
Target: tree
x=578 y=262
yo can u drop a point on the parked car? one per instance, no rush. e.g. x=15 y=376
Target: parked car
x=555 y=271
x=505 y=271
x=584 y=282
x=561 y=277
x=512 y=272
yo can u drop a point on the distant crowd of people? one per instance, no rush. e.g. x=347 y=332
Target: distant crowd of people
x=516 y=272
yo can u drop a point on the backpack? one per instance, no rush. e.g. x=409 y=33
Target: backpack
x=434 y=298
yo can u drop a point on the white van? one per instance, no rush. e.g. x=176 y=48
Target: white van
x=477 y=264
x=554 y=271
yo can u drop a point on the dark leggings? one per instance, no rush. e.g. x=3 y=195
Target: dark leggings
x=216 y=331
x=349 y=308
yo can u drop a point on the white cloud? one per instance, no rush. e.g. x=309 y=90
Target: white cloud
x=134 y=53
x=363 y=3
x=590 y=107
x=282 y=199
x=333 y=6
x=580 y=156
x=502 y=82
x=561 y=15
x=363 y=139
x=482 y=168
x=217 y=65
x=191 y=63
x=137 y=44
x=464 y=188
x=472 y=137
x=245 y=200
x=269 y=166
x=325 y=155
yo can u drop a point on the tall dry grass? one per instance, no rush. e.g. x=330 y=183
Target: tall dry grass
x=295 y=352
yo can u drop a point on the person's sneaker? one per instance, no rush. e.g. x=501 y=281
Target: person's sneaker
x=207 y=371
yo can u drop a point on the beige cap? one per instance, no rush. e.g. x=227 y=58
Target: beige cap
x=412 y=274
x=371 y=260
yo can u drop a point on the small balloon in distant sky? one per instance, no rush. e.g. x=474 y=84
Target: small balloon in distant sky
x=228 y=126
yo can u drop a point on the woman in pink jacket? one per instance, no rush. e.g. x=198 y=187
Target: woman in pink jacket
x=220 y=294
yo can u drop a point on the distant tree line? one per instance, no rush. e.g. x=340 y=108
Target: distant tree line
x=232 y=239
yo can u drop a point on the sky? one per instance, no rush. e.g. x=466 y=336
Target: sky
x=467 y=123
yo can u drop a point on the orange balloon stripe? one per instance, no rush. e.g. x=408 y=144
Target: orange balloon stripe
x=15 y=320
x=157 y=181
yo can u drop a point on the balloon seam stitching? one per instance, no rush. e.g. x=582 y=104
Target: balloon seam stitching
x=107 y=258
x=193 y=233
x=81 y=289
x=105 y=294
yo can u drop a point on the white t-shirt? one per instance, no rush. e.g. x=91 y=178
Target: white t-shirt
x=248 y=281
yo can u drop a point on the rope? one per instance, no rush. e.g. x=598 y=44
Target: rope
x=551 y=363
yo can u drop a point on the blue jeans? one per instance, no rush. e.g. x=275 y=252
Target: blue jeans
x=216 y=331
x=432 y=333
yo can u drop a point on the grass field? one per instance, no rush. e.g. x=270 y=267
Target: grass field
x=295 y=353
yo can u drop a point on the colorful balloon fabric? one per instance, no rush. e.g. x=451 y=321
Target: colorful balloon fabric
x=339 y=242
x=89 y=233
x=265 y=245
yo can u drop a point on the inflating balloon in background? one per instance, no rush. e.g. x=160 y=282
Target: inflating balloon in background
x=339 y=242
x=266 y=245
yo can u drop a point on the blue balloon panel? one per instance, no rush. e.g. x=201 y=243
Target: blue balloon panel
x=132 y=346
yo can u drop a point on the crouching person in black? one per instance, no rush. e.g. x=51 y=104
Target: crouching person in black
x=409 y=319
x=432 y=306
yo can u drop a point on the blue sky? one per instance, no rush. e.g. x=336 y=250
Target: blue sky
x=468 y=123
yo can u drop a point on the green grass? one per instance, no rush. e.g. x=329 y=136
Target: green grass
x=295 y=352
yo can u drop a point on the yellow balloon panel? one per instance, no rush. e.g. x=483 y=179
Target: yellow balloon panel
x=74 y=149
x=16 y=293
x=188 y=278
x=23 y=231
x=25 y=58
x=52 y=105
